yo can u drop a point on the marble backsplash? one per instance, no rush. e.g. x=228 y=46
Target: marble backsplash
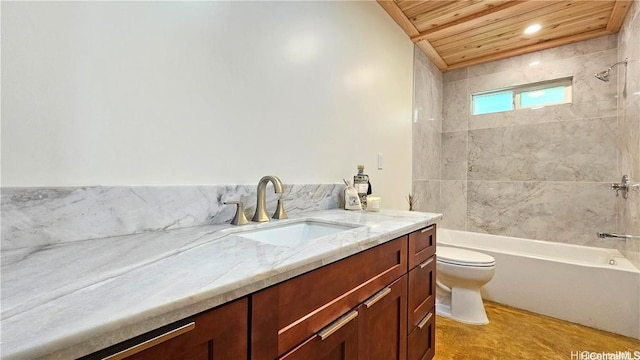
x=44 y=216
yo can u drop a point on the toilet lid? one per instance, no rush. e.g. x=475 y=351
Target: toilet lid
x=457 y=256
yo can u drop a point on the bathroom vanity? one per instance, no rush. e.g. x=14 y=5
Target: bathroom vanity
x=377 y=304
x=367 y=293
x=355 y=308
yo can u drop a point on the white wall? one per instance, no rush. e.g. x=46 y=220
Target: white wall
x=124 y=93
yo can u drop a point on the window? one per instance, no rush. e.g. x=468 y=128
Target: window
x=492 y=102
x=522 y=97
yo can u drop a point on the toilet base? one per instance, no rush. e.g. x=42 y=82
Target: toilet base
x=461 y=305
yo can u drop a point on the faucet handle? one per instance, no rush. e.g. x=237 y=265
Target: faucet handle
x=280 y=213
x=623 y=186
x=239 y=218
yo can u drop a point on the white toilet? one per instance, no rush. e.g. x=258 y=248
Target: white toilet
x=460 y=274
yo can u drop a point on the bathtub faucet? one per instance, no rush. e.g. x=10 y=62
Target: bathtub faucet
x=624 y=186
x=603 y=235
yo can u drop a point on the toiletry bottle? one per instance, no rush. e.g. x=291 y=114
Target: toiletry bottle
x=362 y=185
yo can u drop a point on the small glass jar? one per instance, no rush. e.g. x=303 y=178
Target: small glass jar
x=373 y=203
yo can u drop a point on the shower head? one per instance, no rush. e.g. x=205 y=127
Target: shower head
x=604 y=75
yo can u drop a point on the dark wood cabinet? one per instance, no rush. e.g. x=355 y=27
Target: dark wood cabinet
x=422 y=245
x=338 y=341
x=375 y=305
x=421 y=294
x=422 y=297
x=208 y=340
x=288 y=314
x=383 y=324
x=422 y=339
x=200 y=337
x=390 y=288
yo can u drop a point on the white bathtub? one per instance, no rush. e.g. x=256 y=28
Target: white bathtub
x=569 y=282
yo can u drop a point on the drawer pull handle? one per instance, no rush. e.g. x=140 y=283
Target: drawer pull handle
x=426 y=262
x=377 y=297
x=336 y=325
x=424 y=321
x=152 y=342
x=426 y=229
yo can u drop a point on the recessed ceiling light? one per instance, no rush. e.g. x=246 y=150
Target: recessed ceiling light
x=534 y=63
x=532 y=29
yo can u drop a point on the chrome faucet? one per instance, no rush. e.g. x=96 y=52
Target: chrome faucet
x=624 y=186
x=261 y=203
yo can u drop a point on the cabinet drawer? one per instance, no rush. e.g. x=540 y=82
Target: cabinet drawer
x=286 y=314
x=200 y=337
x=339 y=341
x=422 y=281
x=422 y=245
x=422 y=341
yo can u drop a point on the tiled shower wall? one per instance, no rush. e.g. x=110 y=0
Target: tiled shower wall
x=427 y=133
x=539 y=174
x=629 y=123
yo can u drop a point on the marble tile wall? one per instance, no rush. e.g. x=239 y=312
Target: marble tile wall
x=44 y=216
x=566 y=212
x=427 y=133
x=542 y=152
x=540 y=174
x=628 y=79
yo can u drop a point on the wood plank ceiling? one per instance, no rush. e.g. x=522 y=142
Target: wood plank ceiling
x=457 y=34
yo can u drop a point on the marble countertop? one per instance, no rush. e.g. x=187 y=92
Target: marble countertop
x=65 y=301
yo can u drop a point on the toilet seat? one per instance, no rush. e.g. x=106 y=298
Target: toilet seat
x=462 y=257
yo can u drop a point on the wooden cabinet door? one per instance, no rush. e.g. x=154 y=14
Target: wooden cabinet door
x=382 y=328
x=337 y=341
x=421 y=294
x=422 y=341
x=288 y=314
x=422 y=291
x=219 y=334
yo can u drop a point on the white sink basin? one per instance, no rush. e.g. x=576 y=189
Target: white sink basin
x=294 y=234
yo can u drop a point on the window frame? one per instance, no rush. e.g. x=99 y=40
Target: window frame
x=566 y=82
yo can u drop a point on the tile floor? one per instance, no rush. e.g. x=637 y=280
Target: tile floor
x=517 y=334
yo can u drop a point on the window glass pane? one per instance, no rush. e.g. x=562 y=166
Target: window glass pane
x=542 y=97
x=493 y=102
